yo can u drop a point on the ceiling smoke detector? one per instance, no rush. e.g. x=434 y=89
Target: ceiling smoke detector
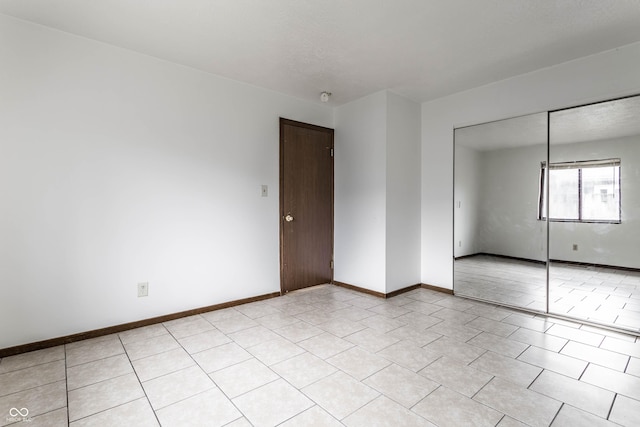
x=324 y=96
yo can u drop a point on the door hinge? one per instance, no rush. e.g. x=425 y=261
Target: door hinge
x=332 y=152
x=331 y=264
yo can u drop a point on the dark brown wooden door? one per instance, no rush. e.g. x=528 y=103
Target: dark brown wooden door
x=306 y=205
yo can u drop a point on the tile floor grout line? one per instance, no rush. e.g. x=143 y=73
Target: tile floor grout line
x=429 y=394
x=482 y=403
x=313 y=382
x=613 y=402
x=584 y=371
x=35 y=365
x=66 y=384
x=536 y=378
x=31 y=366
x=626 y=366
x=412 y=406
x=483 y=386
x=500 y=420
x=96 y=360
x=360 y=407
x=100 y=382
x=562 y=404
x=526 y=389
x=248 y=391
x=523 y=351
x=242 y=414
x=144 y=391
x=34 y=387
x=299 y=413
x=108 y=409
x=215 y=387
x=563 y=346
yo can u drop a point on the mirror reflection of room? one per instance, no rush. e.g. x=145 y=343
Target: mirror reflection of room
x=585 y=195
x=594 y=212
x=499 y=239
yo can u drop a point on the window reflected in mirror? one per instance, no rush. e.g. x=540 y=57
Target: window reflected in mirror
x=582 y=191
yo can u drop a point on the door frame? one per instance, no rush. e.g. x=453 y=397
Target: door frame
x=282 y=122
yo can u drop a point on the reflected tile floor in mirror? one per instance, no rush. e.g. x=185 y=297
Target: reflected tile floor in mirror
x=503 y=280
x=596 y=294
x=334 y=357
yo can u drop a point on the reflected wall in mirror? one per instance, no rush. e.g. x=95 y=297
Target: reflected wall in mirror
x=499 y=239
x=594 y=211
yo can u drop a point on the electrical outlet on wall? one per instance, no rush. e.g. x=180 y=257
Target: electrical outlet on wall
x=143 y=289
x=575 y=247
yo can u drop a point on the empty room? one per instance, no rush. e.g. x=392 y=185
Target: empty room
x=320 y=213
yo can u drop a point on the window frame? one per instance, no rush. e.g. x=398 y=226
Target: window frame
x=579 y=165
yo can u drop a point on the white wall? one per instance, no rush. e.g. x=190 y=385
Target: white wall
x=403 y=193
x=467 y=193
x=499 y=194
x=508 y=203
x=377 y=192
x=608 y=244
x=117 y=168
x=360 y=192
x=606 y=75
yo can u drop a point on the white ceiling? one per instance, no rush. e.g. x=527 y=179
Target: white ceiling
x=595 y=122
x=423 y=49
x=509 y=133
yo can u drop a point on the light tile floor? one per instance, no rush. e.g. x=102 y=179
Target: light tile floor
x=506 y=281
x=327 y=356
x=596 y=294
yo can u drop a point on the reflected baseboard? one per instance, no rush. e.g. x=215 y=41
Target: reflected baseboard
x=553 y=260
x=552 y=315
x=593 y=265
x=515 y=258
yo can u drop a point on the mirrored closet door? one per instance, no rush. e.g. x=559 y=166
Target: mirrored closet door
x=500 y=241
x=569 y=180
x=594 y=212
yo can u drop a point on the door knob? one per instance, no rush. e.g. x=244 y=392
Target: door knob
x=288 y=218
